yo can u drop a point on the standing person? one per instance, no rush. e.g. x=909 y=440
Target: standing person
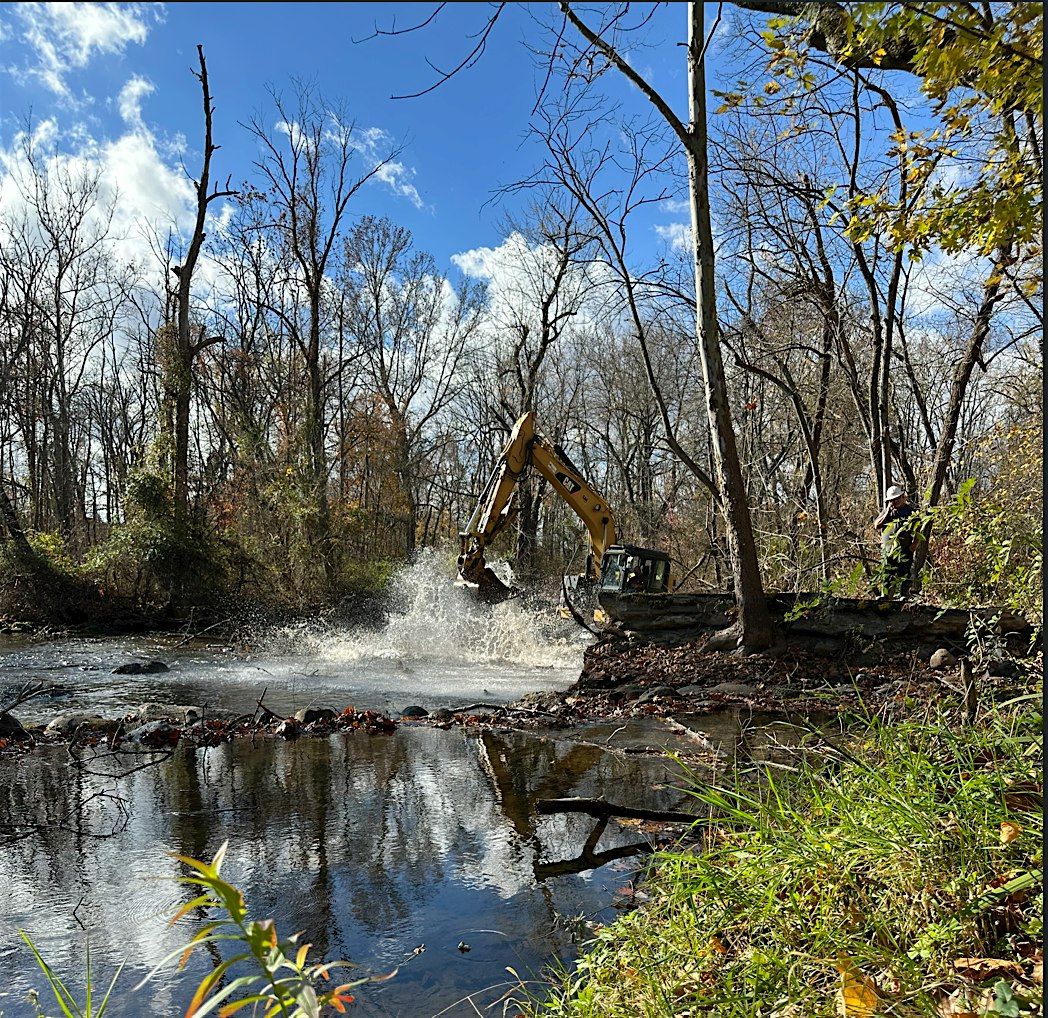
x=896 y=542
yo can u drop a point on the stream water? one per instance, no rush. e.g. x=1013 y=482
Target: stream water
x=374 y=846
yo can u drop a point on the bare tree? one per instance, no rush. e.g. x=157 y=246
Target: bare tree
x=413 y=328
x=307 y=165
x=181 y=345
x=534 y=302
x=753 y=629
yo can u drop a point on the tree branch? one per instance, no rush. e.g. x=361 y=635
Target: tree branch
x=628 y=72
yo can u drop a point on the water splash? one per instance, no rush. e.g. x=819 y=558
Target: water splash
x=432 y=619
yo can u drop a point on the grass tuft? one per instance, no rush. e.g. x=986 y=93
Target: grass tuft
x=898 y=875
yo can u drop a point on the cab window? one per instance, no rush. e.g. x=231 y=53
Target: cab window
x=613 y=571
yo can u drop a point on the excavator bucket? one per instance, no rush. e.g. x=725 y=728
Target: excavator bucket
x=491 y=589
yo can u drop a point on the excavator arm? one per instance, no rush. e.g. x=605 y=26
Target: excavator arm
x=527 y=448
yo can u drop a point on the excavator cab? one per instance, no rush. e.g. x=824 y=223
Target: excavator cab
x=624 y=568
x=627 y=569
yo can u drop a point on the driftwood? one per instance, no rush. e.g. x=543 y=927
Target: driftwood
x=692 y=736
x=27 y=692
x=602 y=809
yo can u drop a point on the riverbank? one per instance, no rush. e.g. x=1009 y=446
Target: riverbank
x=623 y=679
x=633 y=710
x=232 y=621
x=895 y=872
x=98 y=690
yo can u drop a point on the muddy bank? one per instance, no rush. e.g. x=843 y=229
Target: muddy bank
x=231 y=621
x=636 y=678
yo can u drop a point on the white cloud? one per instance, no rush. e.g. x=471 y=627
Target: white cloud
x=129 y=102
x=941 y=280
x=518 y=273
x=479 y=262
x=677 y=235
x=63 y=37
x=397 y=177
x=147 y=194
x=374 y=146
x=376 y=149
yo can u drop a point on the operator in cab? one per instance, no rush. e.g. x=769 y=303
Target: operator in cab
x=637 y=578
x=897 y=543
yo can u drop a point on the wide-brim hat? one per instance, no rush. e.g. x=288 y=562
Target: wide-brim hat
x=893 y=492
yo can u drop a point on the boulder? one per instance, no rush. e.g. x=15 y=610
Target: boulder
x=659 y=693
x=1003 y=668
x=288 y=729
x=154 y=733
x=630 y=691
x=734 y=689
x=67 y=724
x=942 y=658
x=414 y=712
x=441 y=714
x=185 y=714
x=11 y=727
x=309 y=715
x=724 y=640
x=141 y=668
x=825 y=648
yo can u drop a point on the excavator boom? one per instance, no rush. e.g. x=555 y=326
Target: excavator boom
x=527 y=448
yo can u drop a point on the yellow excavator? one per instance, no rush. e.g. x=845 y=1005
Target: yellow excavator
x=614 y=568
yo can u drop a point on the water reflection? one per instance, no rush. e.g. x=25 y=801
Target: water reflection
x=373 y=845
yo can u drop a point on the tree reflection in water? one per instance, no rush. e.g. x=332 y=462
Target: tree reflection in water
x=372 y=845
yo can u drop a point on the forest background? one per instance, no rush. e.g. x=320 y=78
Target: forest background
x=274 y=398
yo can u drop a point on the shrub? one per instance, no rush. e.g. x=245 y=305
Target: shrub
x=987 y=542
x=157 y=558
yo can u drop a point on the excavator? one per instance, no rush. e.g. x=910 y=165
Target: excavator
x=610 y=567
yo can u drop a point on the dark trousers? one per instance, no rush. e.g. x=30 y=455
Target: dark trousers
x=895 y=575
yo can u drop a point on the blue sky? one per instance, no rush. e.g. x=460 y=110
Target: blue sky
x=93 y=69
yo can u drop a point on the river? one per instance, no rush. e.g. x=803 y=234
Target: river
x=374 y=845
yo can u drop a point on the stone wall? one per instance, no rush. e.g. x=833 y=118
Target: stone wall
x=827 y=626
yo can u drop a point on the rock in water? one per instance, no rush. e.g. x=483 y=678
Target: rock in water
x=659 y=693
x=11 y=727
x=141 y=668
x=154 y=733
x=288 y=729
x=182 y=713
x=942 y=658
x=307 y=715
x=414 y=712
x=441 y=714
x=67 y=724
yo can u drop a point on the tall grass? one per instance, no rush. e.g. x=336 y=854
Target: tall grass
x=899 y=875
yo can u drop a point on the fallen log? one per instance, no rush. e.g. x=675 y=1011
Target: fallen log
x=588 y=861
x=602 y=809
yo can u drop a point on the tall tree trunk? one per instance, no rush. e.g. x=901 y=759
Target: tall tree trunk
x=13 y=526
x=320 y=535
x=528 y=507
x=754 y=629
x=185 y=349
x=958 y=388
